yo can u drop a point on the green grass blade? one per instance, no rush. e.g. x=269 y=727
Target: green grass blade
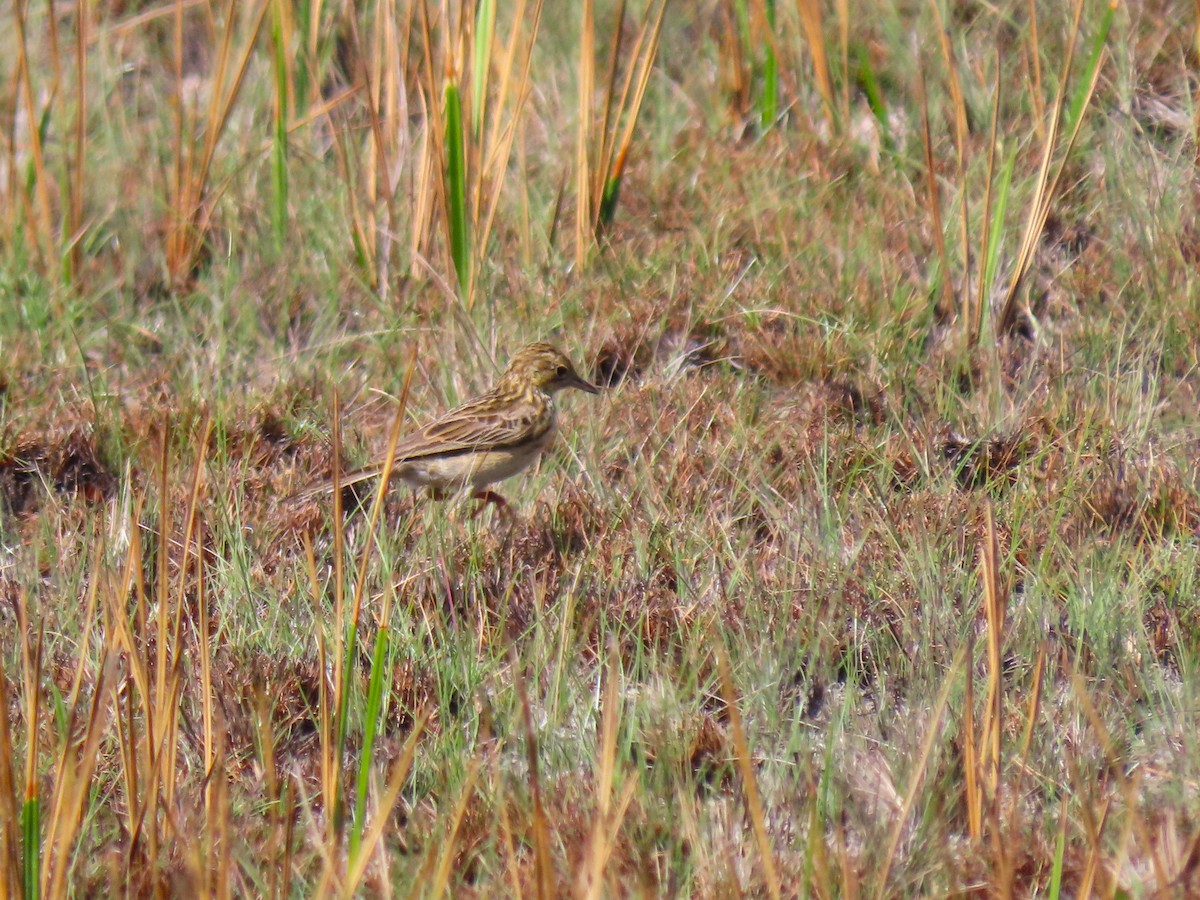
x=768 y=101
x=350 y=653
x=870 y=86
x=485 y=27
x=303 y=12
x=456 y=184
x=1056 y=872
x=1082 y=92
x=608 y=202
x=996 y=229
x=279 y=145
x=31 y=848
x=370 y=727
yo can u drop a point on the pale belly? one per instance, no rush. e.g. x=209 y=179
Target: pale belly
x=469 y=470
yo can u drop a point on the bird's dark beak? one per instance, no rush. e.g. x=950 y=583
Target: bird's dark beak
x=578 y=382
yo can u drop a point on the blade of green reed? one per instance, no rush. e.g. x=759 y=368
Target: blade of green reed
x=1056 y=872
x=279 y=146
x=481 y=58
x=374 y=701
x=375 y=687
x=30 y=828
x=975 y=315
x=72 y=233
x=304 y=22
x=456 y=185
x=999 y=207
x=768 y=101
x=31 y=809
x=870 y=87
x=1083 y=92
x=612 y=193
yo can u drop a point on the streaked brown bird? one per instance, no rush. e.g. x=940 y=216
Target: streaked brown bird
x=487 y=439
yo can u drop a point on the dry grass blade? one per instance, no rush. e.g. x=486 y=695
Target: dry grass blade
x=584 y=215
x=602 y=148
x=1196 y=114
x=140 y=20
x=1033 y=60
x=1035 y=700
x=75 y=783
x=994 y=604
x=37 y=209
x=601 y=851
x=960 y=146
x=381 y=491
x=945 y=305
x=209 y=736
x=810 y=21
x=387 y=803
x=543 y=864
x=509 y=852
x=165 y=738
x=974 y=317
x=606 y=825
x=918 y=773
x=10 y=817
x=78 y=167
x=645 y=52
x=749 y=783
x=956 y=94
x=1047 y=186
x=971 y=770
x=474 y=89
x=497 y=151
x=10 y=804
x=191 y=200
x=441 y=875
x=610 y=91
x=31 y=671
x=606 y=762
x=67 y=763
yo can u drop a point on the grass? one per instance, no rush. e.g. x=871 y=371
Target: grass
x=874 y=571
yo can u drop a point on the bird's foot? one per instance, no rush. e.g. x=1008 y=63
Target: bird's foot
x=486 y=497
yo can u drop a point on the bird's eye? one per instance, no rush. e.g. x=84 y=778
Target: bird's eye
x=561 y=372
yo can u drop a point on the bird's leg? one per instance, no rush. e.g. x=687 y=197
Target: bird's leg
x=486 y=497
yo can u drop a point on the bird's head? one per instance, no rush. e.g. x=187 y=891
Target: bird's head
x=546 y=368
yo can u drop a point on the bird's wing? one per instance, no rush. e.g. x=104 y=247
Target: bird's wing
x=478 y=425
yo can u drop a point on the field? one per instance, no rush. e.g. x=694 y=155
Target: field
x=874 y=570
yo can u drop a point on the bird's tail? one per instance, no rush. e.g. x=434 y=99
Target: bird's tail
x=325 y=486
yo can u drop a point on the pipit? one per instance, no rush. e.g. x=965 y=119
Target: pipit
x=487 y=439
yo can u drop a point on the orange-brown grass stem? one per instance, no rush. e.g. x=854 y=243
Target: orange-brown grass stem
x=741 y=749
x=543 y=864
x=918 y=774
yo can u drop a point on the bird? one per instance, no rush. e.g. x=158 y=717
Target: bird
x=487 y=439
